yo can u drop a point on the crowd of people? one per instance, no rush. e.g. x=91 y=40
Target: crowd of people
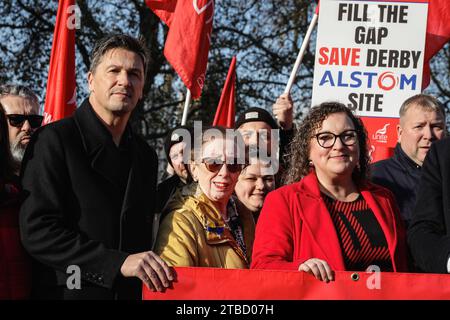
x=267 y=194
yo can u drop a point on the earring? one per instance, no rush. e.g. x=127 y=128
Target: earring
x=310 y=163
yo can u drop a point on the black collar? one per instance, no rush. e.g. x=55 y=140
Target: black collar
x=403 y=158
x=98 y=142
x=93 y=132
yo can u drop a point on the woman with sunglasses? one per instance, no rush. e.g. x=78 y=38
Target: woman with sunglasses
x=330 y=217
x=203 y=228
x=15 y=270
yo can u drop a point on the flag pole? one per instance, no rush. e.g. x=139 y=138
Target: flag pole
x=301 y=53
x=187 y=103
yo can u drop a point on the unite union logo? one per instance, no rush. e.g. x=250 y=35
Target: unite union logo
x=380 y=135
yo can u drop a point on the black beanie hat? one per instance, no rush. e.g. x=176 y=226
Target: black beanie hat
x=173 y=138
x=256 y=114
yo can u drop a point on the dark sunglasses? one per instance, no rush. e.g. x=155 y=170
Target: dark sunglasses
x=17 y=120
x=214 y=165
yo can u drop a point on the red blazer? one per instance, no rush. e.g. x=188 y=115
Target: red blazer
x=295 y=226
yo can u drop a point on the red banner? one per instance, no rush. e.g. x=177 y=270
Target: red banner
x=188 y=39
x=60 y=98
x=382 y=134
x=229 y=284
x=226 y=109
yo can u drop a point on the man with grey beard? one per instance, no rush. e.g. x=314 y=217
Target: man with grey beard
x=21 y=106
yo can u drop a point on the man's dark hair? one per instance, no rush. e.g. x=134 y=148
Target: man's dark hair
x=119 y=41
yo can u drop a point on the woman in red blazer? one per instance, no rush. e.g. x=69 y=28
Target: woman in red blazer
x=329 y=216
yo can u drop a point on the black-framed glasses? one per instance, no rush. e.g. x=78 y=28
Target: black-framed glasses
x=328 y=139
x=215 y=164
x=17 y=120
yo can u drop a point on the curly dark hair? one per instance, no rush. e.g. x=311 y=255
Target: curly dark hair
x=300 y=145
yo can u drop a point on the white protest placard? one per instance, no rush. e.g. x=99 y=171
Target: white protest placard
x=369 y=54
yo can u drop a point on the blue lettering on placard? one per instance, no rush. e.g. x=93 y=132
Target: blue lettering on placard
x=358 y=79
x=404 y=80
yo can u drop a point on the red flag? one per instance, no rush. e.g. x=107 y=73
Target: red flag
x=243 y=284
x=188 y=39
x=225 y=110
x=438 y=33
x=60 y=98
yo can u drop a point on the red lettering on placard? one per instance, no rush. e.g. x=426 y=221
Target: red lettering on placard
x=339 y=56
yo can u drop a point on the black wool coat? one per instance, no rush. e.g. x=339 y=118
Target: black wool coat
x=429 y=233
x=74 y=214
x=401 y=175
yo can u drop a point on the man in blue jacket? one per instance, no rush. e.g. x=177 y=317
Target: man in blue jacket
x=422 y=121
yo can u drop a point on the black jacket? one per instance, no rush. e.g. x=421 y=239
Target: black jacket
x=166 y=189
x=74 y=213
x=401 y=175
x=429 y=233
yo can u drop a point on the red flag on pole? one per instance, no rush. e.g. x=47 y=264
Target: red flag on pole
x=438 y=33
x=188 y=39
x=60 y=98
x=226 y=109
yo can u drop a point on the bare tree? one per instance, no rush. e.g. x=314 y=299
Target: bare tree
x=264 y=35
x=440 y=76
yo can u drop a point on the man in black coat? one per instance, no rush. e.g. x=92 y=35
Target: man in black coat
x=89 y=180
x=429 y=233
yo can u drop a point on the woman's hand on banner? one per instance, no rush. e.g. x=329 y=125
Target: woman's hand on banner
x=318 y=268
